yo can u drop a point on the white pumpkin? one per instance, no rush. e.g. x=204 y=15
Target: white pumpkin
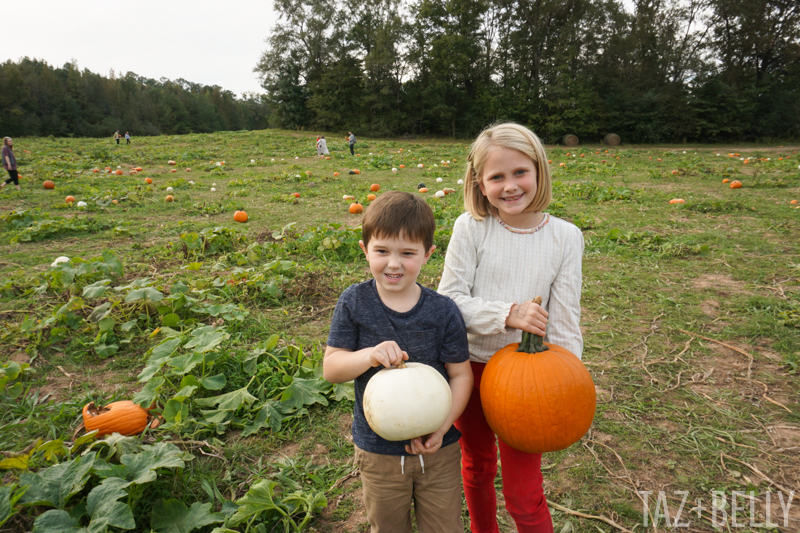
x=439 y=194
x=82 y=204
x=61 y=259
x=394 y=170
x=460 y=182
x=407 y=402
x=169 y=190
x=438 y=180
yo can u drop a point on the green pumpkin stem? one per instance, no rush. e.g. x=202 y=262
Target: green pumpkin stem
x=531 y=343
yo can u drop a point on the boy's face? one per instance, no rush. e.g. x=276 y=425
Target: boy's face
x=395 y=263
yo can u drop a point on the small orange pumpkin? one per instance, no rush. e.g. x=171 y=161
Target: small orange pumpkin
x=148 y=180
x=335 y=174
x=793 y=202
x=95 y=170
x=49 y=184
x=736 y=184
x=423 y=189
x=402 y=166
x=356 y=171
x=119 y=172
x=69 y=199
x=677 y=201
x=169 y=198
x=356 y=208
x=374 y=187
x=240 y=216
x=537 y=397
x=125 y=418
x=371 y=197
x=726 y=180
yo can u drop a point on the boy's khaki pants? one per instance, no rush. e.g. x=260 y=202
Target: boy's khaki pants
x=389 y=489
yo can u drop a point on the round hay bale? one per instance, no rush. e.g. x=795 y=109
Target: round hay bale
x=611 y=139
x=569 y=140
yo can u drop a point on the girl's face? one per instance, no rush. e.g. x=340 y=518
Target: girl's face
x=509 y=183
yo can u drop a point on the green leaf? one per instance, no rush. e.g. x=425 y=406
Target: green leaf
x=142 y=466
x=257 y=502
x=150 y=392
x=190 y=380
x=54 y=486
x=207 y=338
x=106 y=324
x=99 y=312
x=172 y=516
x=106 y=511
x=127 y=326
x=303 y=392
x=175 y=411
x=53 y=521
x=185 y=393
x=271 y=414
x=145 y=293
x=344 y=391
x=214 y=382
x=230 y=401
x=185 y=363
x=171 y=320
x=105 y=351
x=179 y=287
x=97 y=289
x=8 y=498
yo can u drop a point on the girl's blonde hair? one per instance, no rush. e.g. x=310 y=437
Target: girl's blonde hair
x=513 y=137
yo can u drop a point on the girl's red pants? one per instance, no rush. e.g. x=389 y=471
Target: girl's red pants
x=522 y=473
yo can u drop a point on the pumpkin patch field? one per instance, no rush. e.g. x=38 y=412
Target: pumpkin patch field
x=195 y=281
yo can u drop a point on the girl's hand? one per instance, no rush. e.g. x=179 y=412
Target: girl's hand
x=528 y=316
x=387 y=353
x=425 y=445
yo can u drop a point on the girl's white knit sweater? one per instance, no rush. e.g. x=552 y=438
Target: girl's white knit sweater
x=489 y=267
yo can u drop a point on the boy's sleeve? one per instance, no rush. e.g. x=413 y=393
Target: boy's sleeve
x=454 y=347
x=344 y=332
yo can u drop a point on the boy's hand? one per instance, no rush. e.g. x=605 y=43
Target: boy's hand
x=426 y=445
x=387 y=353
x=528 y=316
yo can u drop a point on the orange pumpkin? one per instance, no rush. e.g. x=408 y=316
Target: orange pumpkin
x=793 y=202
x=148 y=180
x=138 y=169
x=374 y=187
x=335 y=174
x=371 y=197
x=356 y=171
x=356 y=208
x=125 y=418
x=169 y=198
x=736 y=184
x=677 y=201
x=69 y=199
x=49 y=185
x=96 y=170
x=119 y=172
x=726 y=180
x=240 y=216
x=537 y=397
x=423 y=189
x=402 y=166
x=296 y=194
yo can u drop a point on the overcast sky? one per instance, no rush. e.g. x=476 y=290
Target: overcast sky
x=211 y=43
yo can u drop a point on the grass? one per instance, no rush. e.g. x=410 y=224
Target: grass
x=690 y=311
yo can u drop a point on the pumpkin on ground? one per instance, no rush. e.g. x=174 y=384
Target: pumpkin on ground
x=371 y=197
x=119 y=172
x=169 y=198
x=677 y=201
x=125 y=418
x=48 y=184
x=374 y=187
x=148 y=180
x=356 y=208
x=69 y=199
x=240 y=216
x=736 y=184
x=408 y=401
x=537 y=397
x=424 y=189
x=726 y=180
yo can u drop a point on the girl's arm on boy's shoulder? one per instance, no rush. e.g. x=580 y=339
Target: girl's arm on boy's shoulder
x=483 y=317
x=340 y=365
x=461 y=382
x=564 y=305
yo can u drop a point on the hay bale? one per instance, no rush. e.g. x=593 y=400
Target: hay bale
x=611 y=139
x=569 y=140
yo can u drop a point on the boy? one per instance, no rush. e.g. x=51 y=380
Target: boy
x=381 y=322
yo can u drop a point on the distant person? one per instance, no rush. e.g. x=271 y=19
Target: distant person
x=127 y=138
x=10 y=163
x=352 y=140
x=116 y=136
x=322 y=147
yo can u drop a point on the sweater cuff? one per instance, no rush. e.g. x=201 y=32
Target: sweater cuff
x=506 y=310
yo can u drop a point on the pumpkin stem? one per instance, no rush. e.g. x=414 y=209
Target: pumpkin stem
x=532 y=343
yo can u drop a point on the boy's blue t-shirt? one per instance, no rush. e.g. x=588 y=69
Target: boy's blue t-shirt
x=433 y=332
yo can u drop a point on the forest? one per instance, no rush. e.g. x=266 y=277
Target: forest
x=651 y=71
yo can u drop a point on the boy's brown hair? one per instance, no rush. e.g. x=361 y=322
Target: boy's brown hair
x=397 y=213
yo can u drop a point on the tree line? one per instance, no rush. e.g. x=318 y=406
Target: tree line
x=658 y=71
x=37 y=99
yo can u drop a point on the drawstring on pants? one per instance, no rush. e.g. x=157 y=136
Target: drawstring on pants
x=403 y=464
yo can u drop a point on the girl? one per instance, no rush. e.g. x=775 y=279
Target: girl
x=504 y=252
x=10 y=163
